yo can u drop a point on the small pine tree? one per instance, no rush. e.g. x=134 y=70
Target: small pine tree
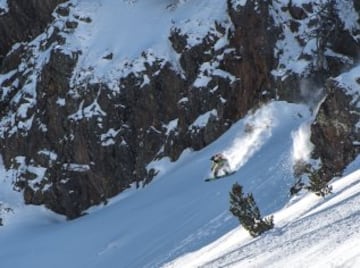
x=318 y=185
x=300 y=168
x=245 y=209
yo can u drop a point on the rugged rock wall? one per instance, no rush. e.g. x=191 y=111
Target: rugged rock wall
x=75 y=146
x=335 y=131
x=72 y=145
x=25 y=20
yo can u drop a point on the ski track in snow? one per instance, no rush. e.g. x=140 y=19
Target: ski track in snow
x=257 y=131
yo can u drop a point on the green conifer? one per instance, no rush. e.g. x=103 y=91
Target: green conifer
x=245 y=209
x=318 y=184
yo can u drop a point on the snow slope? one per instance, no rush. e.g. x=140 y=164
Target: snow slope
x=179 y=220
x=309 y=232
x=176 y=214
x=126 y=29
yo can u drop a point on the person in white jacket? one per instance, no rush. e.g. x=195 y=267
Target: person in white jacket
x=220 y=164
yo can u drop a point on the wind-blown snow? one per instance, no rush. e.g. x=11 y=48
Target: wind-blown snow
x=257 y=130
x=302 y=146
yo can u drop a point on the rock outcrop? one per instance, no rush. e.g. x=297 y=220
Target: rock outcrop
x=76 y=148
x=72 y=144
x=335 y=132
x=25 y=20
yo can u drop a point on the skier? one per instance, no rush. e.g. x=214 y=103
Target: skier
x=219 y=163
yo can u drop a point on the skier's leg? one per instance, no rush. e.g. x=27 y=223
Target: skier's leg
x=216 y=172
x=227 y=169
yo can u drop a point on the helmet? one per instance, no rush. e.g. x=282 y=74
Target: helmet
x=217 y=156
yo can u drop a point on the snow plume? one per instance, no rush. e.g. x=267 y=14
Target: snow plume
x=302 y=147
x=311 y=93
x=257 y=129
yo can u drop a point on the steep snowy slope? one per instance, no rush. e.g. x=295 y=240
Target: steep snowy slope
x=179 y=216
x=84 y=94
x=309 y=232
x=100 y=94
x=106 y=87
x=176 y=214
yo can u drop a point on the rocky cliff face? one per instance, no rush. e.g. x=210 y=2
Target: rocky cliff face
x=24 y=21
x=335 y=130
x=75 y=146
x=72 y=143
x=316 y=76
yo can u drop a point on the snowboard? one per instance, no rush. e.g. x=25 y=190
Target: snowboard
x=220 y=177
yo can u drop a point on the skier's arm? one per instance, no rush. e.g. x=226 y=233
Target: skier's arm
x=213 y=164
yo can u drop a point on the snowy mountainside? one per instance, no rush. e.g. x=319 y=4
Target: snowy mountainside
x=72 y=75
x=299 y=50
x=111 y=110
x=176 y=214
x=181 y=221
x=122 y=30
x=99 y=106
x=309 y=232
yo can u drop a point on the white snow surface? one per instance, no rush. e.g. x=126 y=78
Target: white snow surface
x=128 y=29
x=310 y=232
x=288 y=49
x=350 y=81
x=179 y=220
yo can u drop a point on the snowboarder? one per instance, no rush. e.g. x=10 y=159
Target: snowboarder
x=219 y=163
